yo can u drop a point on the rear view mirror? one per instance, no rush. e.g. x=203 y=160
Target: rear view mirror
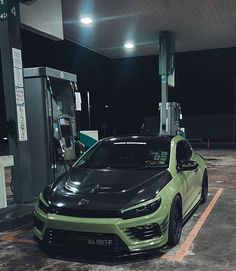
x=187 y=166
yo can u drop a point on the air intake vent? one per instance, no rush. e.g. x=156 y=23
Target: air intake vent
x=38 y=223
x=145 y=232
x=43 y=207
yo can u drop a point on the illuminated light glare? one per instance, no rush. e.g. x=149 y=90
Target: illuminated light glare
x=70 y=188
x=105 y=169
x=140 y=191
x=129 y=45
x=5 y=138
x=86 y=20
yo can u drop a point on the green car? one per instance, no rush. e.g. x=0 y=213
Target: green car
x=125 y=195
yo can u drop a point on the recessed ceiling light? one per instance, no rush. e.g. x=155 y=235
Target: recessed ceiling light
x=129 y=45
x=86 y=20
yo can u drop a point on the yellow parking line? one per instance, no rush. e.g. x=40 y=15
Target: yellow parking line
x=189 y=240
x=10 y=236
x=15 y=240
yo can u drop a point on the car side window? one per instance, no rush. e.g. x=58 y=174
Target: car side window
x=189 y=151
x=183 y=152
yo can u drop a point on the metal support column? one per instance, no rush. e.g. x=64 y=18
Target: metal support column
x=164 y=100
x=166 y=67
x=10 y=46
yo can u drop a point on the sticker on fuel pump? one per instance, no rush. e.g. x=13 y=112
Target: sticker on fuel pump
x=22 y=129
x=17 y=58
x=21 y=116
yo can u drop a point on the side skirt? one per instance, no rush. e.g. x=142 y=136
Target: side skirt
x=191 y=212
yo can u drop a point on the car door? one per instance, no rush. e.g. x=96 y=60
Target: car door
x=188 y=178
x=195 y=177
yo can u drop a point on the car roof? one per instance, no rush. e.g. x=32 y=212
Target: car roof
x=136 y=137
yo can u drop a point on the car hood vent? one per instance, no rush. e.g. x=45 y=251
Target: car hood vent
x=108 y=181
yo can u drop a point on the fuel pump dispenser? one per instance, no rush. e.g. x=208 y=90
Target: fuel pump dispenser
x=50 y=111
x=173 y=118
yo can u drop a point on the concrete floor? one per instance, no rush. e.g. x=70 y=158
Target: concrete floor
x=213 y=248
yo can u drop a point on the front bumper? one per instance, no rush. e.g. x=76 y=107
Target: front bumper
x=99 y=235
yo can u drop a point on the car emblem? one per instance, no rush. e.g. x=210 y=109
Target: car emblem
x=83 y=202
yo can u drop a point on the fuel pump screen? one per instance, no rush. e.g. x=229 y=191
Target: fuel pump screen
x=65 y=131
x=65 y=128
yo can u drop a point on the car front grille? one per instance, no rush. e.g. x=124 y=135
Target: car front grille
x=144 y=232
x=84 y=242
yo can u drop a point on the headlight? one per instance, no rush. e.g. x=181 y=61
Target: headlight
x=142 y=211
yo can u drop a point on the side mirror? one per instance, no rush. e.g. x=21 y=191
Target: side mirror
x=187 y=166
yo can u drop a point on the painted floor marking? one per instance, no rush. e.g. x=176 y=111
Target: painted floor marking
x=189 y=240
x=11 y=236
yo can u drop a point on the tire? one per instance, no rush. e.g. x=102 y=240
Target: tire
x=204 y=194
x=175 y=222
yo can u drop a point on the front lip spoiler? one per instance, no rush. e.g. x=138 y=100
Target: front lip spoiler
x=71 y=254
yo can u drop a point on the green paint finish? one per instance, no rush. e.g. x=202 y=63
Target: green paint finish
x=104 y=225
x=190 y=196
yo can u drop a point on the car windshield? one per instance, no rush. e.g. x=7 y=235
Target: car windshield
x=127 y=154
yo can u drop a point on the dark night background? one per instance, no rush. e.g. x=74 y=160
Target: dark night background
x=205 y=82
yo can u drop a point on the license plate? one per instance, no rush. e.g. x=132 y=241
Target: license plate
x=100 y=242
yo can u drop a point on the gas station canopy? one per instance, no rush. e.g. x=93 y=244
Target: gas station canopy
x=196 y=24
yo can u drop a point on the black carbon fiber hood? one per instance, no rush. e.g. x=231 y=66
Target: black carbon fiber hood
x=106 y=189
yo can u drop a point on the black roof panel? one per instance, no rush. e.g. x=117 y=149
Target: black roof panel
x=139 y=137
